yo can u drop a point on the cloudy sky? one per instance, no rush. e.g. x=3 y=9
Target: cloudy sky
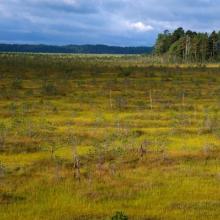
x=112 y=22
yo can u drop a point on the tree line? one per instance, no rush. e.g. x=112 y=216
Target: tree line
x=84 y=49
x=188 y=46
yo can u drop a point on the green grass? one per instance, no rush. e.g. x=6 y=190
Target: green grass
x=101 y=110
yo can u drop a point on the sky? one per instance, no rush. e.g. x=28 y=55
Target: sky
x=111 y=22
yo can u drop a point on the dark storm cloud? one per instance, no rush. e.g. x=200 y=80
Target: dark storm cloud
x=119 y=22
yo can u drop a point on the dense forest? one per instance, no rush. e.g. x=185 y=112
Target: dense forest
x=87 y=49
x=188 y=46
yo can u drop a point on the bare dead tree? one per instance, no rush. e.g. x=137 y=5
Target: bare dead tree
x=2 y=170
x=187 y=48
x=151 y=100
x=72 y=140
x=206 y=152
x=110 y=98
x=52 y=152
x=2 y=136
x=101 y=154
x=76 y=167
x=183 y=100
x=142 y=150
x=112 y=168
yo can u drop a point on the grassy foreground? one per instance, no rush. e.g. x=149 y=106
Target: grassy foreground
x=85 y=137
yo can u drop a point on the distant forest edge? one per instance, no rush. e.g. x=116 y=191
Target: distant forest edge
x=84 y=49
x=177 y=46
x=188 y=46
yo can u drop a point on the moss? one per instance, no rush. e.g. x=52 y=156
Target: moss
x=177 y=176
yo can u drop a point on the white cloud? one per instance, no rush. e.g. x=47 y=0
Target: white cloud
x=139 y=26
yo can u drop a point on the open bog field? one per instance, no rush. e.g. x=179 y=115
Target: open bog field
x=82 y=137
